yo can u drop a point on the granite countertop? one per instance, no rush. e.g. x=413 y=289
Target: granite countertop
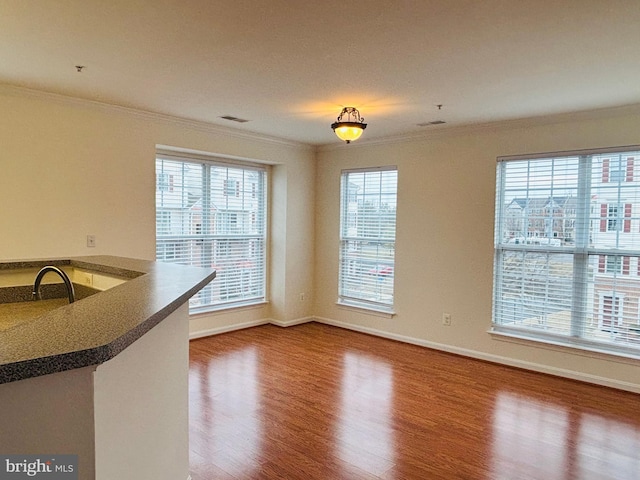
x=97 y=328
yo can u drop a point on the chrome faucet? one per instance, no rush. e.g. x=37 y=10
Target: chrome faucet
x=65 y=279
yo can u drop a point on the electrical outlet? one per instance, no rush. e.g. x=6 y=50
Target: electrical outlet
x=446 y=319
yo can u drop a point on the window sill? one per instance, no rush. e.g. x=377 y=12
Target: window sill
x=628 y=356
x=379 y=312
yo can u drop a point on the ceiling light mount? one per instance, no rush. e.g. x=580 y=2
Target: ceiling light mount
x=349 y=125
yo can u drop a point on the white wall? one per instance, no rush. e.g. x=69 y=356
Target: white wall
x=444 y=253
x=72 y=168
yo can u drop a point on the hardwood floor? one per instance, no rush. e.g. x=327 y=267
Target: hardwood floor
x=319 y=402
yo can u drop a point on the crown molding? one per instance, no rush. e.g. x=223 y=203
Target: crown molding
x=468 y=129
x=438 y=132
x=149 y=115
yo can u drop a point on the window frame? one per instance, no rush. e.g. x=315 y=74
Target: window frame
x=586 y=255
x=351 y=267
x=220 y=236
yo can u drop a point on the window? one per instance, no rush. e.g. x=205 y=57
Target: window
x=617 y=168
x=610 y=318
x=367 y=238
x=232 y=187
x=164 y=182
x=567 y=246
x=613 y=223
x=163 y=222
x=214 y=215
x=612 y=219
x=614 y=264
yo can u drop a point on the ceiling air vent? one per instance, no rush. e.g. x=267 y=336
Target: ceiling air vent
x=234 y=119
x=435 y=122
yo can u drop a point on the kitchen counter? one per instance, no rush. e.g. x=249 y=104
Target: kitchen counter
x=95 y=329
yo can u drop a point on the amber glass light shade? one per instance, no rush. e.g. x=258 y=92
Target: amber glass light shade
x=349 y=125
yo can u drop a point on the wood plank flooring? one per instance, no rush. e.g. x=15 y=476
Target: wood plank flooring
x=319 y=402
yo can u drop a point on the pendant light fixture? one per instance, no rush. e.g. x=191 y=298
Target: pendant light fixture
x=349 y=125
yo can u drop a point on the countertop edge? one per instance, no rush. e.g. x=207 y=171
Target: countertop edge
x=171 y=299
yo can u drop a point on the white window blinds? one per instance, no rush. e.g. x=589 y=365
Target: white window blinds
x=367 y=237
x=213 y=214
x=567 y=249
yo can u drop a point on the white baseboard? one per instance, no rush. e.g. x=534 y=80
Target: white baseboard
x=559 y=372
x=227 y=328
x=240 y=326
x=291 y=323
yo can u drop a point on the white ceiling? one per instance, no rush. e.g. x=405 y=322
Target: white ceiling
x=289 y=66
